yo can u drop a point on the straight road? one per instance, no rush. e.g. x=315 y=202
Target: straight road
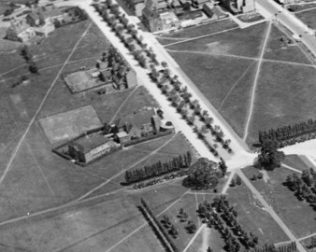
x=242 y=157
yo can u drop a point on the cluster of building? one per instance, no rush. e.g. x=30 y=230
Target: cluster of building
x=139 y=126
x=165 y=15
x=34 y=23
x=111 y=71
x=161 y=15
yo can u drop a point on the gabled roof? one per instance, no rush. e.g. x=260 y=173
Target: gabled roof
x=139 y=118
x=90 y=142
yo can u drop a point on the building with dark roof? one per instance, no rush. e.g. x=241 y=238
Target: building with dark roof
x=89 y=147
x=136 y=6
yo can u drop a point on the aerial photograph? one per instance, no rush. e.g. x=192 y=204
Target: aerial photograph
x=157 y=125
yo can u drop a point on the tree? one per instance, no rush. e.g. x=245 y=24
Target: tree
x=306 y=177
x=201 y=175
x=33 y=68
x=269 y=157
x=209 y=249
x=222 y=166
x=164 y=64
x=173 y=232
x=25 y=53
x=166 y=221
x=190 y=227
x=238 y=180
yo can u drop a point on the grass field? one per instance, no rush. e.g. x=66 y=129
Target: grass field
x=253 y=217
x=297 y=162
x=278 y=50
x=223 y=67
x=178 y=145
x=298 y=216
x=224 y=81
x=245 y=42
x=189 y=205
x=95 y=226
x=284 y=96
x=70 y=124
x=143 y=241
x=308 y=17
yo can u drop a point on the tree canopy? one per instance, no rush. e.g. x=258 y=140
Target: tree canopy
x=202 y=175
x=269 y=157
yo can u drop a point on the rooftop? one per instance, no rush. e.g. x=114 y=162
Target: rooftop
x=90 y=142
x=139 y=118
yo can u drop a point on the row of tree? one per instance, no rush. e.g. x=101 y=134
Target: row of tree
x=157 y=169
x=229 y=215
x=291 y=247
x=160 y=232
x=223 y=217
x=28 y=57
x=127 y=33
x=129 y=36
x=183 y=217
x=304 y=186
x=171 y=229
x=209 y=216
x=146 y=57
x=290 y=134
x=180 y=98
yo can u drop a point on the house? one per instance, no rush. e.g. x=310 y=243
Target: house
x=136 y=6
x=146 y=122
x=124 y=76
x=239 y=6
x=199 y=3
x=208 y=9
x=33 y=25
x=89 y=147
x=123 y=137
x=35 y=18
x=157 y=17
x=140 y=123
x=136 y=127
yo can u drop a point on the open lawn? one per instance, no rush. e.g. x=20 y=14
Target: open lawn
x=143 y=241
x=297 y=162
x=284 y=96
x=278 y=48
x=223 y=67
x=308 y=17
x=178 y=145
x=252 y=216
x=224 y=81
x=93 y=226
x=246 y=42
x=93 y=44
x=12 y=60
x=189 y=205
x=49 y=180
x=297 y=215
x=20 y=103
x=70 y=124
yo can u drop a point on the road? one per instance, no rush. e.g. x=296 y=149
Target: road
x=270 y=9
x=241 y=155
x=270 y=210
